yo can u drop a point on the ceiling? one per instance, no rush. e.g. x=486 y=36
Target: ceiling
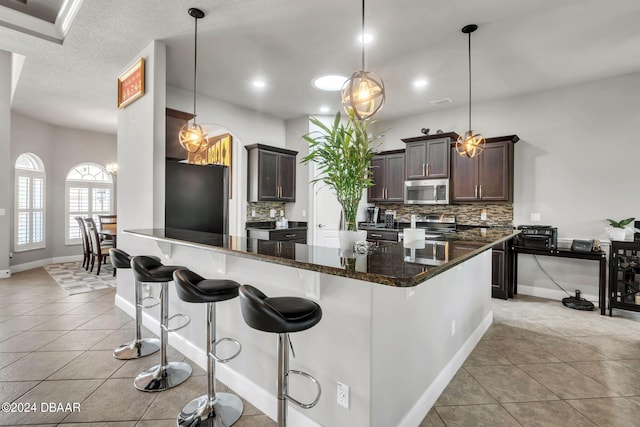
x=521 y=46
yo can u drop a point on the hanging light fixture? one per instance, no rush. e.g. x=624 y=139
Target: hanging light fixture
x=470 y=144
x=363 y=93
x=192 y=136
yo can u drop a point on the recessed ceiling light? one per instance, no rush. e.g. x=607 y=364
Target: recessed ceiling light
x=331 y=82
x=420 y=83
x=324 y=109
x=258 y=84
x=366 y=38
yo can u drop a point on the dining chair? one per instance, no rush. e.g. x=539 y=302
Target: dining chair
x=99 y=250
x=108 y=222
x=86 y=246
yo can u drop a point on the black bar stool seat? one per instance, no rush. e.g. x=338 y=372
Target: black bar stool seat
x=138 y=347
x=211 y=409
x=167 y=374
x=281 y=315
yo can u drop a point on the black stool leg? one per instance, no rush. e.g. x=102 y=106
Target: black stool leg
x=167 y=374
x=283 y=369
x=139 y=347
x=212 y=409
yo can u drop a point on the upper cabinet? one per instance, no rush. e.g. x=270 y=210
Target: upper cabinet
x=271 y=174
x=428 y=156
x=387 y=170
x=174 y=120
x=487 y=177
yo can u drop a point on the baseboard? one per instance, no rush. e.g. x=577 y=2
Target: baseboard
x=250 y=391
x=417 y=413
x=5 y=274
x=554 y=294
x=42 y=262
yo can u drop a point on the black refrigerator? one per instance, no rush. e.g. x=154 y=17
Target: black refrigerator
x=196 y=197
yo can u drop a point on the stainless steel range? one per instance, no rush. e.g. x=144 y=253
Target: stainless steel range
x=435 y=226
x=435 y=250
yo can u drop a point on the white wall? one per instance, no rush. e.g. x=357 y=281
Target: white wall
x=5 y=166
x=576 y=163
x=295 y=128
x=59 y=149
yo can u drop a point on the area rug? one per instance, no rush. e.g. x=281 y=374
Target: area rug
x=74 y=279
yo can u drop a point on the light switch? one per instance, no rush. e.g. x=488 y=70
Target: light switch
x=3 y=212
x=535 y=217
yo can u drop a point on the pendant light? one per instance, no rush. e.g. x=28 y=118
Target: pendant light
x=363 y=93
x=192 y=136
x=471 y=144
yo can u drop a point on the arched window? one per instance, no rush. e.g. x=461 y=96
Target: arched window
x=29 y=225
x=89 y=188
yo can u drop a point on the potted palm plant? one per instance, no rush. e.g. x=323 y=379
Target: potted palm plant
x=342 y=153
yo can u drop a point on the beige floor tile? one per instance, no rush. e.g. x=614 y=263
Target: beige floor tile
x=547 y=414
x=18 y=308
x=608 y=412
x=7 y=359
x=635 y=399
x=159 y=423
x=108 y=424
x=29 y=341
x=37 y=366
x=55 y=308
x=64 y=322
x=119 y=337
x=464 y=390
x=24 y=322
x=484 y=354
x=567 y=350
x=521 y=351
x=11 y=390
x=613 y=374
x=76 y=340
x=115 y=400
x=566 y=381
x=255 y=421
x=432 y=420
x=508 y=383
x=92 y=308
x=90 y=364
x=55 y=392
x=107 y=321
x=476 y=416
x=613 y=347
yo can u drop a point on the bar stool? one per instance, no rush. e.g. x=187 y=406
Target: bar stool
x=281 y=315
x=167 y=374
x=211 y=409
x=139 y=347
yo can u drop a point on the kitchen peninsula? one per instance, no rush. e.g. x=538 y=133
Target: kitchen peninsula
x=395 y=328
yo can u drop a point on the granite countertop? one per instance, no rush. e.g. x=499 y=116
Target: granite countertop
x=391 y=264
x=271 y=225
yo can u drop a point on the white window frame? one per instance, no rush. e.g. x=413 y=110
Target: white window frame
x=29 y=165
x=91 y=184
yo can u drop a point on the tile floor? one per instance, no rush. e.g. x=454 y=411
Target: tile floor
x=539 y=364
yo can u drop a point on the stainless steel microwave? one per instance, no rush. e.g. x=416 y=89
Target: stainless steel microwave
x=426 y=192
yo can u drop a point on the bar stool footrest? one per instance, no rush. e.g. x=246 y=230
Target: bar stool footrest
x=313 y=380
x=221 y=360
x=184 y=316
x=142 y=304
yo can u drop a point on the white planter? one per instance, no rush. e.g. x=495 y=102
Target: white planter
x=619 y=234
x=349 y=238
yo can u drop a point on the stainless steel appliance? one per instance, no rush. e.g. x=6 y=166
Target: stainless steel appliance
x=436 y=226
x=426 y=192
x=537 y=237
x=434 y=253
x=372 y=215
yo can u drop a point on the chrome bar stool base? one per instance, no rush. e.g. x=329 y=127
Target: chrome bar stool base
x=160 y=378
x=137 y=348
x=225 y=410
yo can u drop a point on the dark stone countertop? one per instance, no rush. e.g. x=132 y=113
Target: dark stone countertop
x=271 y=225
x=390 y=264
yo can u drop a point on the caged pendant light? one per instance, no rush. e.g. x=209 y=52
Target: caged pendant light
x=470 y=144
x=363 y=93
x=192 y=136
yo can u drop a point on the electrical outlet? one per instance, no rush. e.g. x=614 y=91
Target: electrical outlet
x=535 y=217
x=253 y=212
x=453 y=327
x=483 y=215
x=304 y=213
x=343 y=395
x=272 y=213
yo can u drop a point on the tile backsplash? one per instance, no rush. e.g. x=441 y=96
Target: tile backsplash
x=262 y=210
x=498 y=214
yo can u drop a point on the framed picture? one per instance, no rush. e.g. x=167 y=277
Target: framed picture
x=131 y=84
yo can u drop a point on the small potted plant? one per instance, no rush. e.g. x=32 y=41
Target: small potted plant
x=343 y=153
x=618 y=230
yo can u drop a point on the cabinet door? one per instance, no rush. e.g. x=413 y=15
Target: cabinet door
x=464 y=178
x=437 y=164
x=494 y=176
x=287 y=177
x=498 y=275
x=267 y=175
x=375 y=193
x=394 y=177
x=416 y=160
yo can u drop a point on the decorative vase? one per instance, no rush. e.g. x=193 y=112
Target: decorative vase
x=349 y=238
x=617 y=233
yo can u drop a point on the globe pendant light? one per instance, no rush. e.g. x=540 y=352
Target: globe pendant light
x=192 y=136
x=363 y=93
x=470 y=144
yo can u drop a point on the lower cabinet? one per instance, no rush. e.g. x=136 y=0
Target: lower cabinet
x=279 y=242
x=501 y=271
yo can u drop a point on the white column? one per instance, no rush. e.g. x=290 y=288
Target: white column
x=6 y=168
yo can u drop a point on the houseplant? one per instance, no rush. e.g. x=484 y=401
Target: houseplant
x=618 y=230
x=342 y=153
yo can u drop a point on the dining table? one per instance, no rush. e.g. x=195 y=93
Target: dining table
x=109 y=234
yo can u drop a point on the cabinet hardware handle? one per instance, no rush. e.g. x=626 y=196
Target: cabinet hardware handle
x=427 y=169
x=290 y=235
x=424 y=170
x=480 y=191
x=386 y=193
x=476 y=191
x=376 y=235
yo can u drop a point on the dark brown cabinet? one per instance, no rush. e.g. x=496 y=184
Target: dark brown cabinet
x=428 y=156
x=501 y=271
x=487 y=177
x=271 y=174
x=174 y=120
x=387 y=171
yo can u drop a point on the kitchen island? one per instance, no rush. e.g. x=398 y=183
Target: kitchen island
x=397 y=323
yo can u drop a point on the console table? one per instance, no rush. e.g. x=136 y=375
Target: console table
x=600 y=256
